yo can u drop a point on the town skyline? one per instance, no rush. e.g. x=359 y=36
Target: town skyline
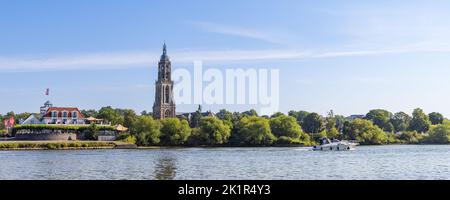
x=353 y=58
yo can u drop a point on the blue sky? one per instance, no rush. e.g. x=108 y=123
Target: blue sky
x=349 y=56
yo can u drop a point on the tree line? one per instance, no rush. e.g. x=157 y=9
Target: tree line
x=247 y=128
x=294 y=128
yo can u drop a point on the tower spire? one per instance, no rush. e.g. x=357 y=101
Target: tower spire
x=164 y=49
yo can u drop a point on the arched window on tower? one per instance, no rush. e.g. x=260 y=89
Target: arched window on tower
x=167 y=94
x=167 y=113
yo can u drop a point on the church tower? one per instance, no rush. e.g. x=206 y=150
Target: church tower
x=164 y=105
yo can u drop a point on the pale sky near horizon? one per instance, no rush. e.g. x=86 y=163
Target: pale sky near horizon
x=349 y=56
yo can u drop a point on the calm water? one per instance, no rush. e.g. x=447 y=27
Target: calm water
x=370 y=162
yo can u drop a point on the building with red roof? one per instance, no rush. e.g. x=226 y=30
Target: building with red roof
x=63 y=115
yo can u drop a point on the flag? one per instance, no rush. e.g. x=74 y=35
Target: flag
x=9 y=123
x=47 y=92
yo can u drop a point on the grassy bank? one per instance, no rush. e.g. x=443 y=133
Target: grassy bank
x=25 y=145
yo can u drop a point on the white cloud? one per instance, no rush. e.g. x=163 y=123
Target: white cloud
x=80 y=61
x=265 y=35
x=147 y=58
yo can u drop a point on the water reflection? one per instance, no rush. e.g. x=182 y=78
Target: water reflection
x=165 y=168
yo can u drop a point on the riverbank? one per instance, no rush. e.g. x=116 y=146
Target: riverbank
x=64 y=145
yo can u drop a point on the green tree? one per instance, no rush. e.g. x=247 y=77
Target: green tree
x=333 y=133
x=313 y=123
x=226 y=117
x=2 y=126
x=381 y=118
x=92 y=133
x=367 y=133
x=129 y=117
x=174 y=131
x=287 y=126
x=409 y=137
x=400 y=121
x=347 y=130
x=330 y=121
x=196 y=117
x=250 y=113
x=420 y=121
x=146 y=113
x=277 y=114
x=21 y=116
x=439 y=134
x=299 y=115
x=89 y=113
x=146 y=130
x=9 y=114
x=436 y=118
x=111 y=115
x=340 y=120
x=254 y=130
x=214 y=131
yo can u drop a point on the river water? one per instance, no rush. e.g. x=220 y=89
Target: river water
x=366 y=163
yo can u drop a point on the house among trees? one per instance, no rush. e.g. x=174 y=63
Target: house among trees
x=194 y=117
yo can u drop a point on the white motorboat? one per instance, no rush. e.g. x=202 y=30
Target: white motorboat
x=334 y=145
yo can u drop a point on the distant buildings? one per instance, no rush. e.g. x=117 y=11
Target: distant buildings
x=194 y=117
x=65 y=116
x=353 y=117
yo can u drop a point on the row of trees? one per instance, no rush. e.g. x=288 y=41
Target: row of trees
x=249 y=130
x=297 y=127
x=401 y=121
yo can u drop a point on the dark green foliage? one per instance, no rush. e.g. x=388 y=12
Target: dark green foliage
x=409 y=137
x=288 y=127
x=420 y=121
x=250 y=113
x=213 y=131
x=436 y=118
x=313 y=123
x=92 y=133
x=439 y=134
x=299 y=115
x=115 y=116
x=89 y=113
x=401 y=121
x=381 y=118
x=253 y=130
x=146 y=130
x=366 y=132
x=174 y=131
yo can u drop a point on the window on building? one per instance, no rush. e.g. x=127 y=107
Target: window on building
x=167 y=94
x=74 y=115
x=64 y=115
x=54 y=114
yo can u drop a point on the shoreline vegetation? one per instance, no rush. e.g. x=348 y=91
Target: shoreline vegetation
x=63 y=145
x=92 y=145
x=248 y=129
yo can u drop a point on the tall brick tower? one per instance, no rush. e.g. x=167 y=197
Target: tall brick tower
x=164 y=105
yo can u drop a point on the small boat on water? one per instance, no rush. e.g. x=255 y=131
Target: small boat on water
x=334 y=145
